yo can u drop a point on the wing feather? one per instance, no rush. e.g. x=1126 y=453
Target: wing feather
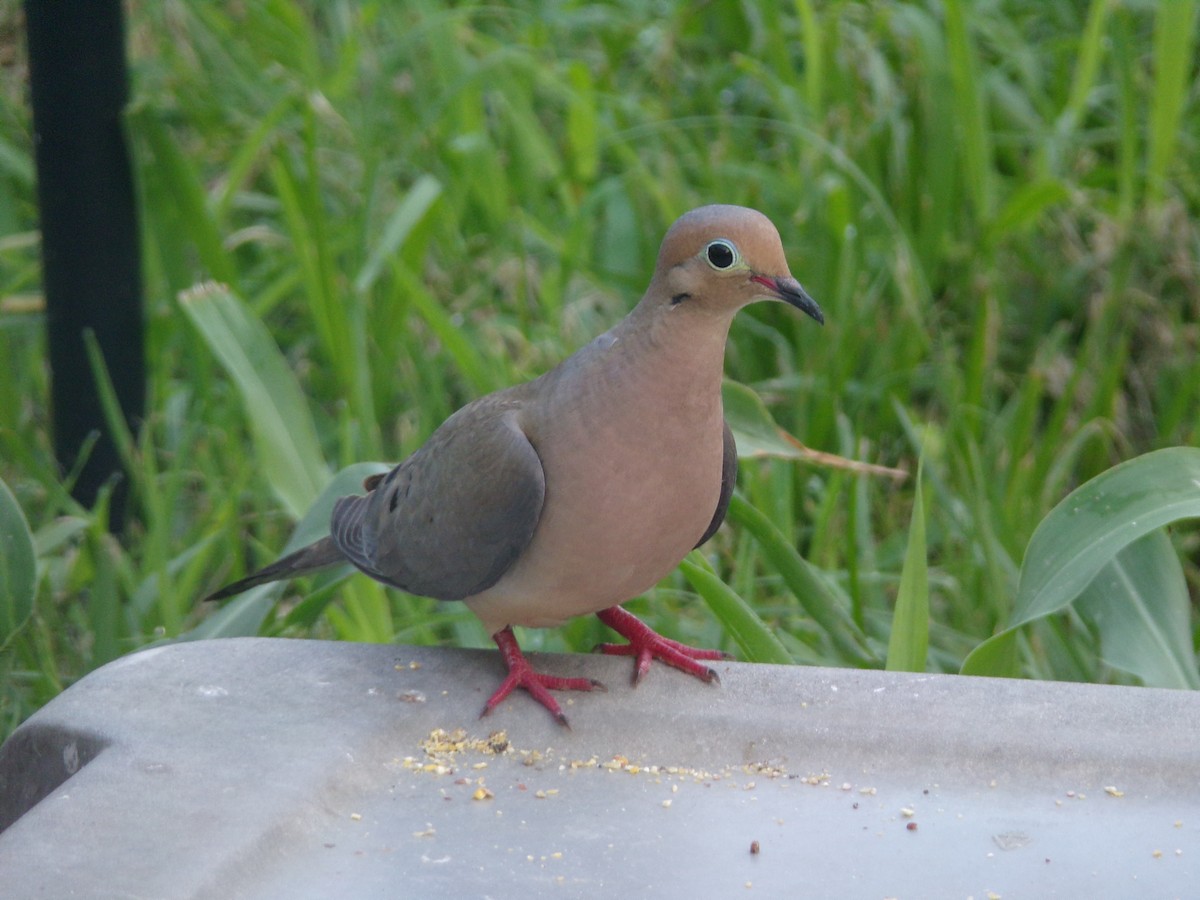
x=451 y=519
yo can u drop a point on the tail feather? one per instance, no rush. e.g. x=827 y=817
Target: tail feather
x=318 y=555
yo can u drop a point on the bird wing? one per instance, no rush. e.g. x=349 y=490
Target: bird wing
x=729 y=468
x=450 y=520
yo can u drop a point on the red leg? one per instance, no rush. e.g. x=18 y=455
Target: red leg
x=539 y=685
x=645 y=644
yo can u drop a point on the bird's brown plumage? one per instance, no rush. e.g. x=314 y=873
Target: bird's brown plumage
x=573 y=492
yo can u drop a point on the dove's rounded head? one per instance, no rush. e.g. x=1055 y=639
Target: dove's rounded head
x=722 y=258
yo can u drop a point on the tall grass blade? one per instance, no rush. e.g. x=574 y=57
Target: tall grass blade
x=412 y=209
x=304 y=217
x=1092 y=45
x=1174 y=37
x=285 y=439
x=118 y=428
x=178 y=175
x=471 y=363
x=1091 y=48
x=241 y=617
x=582 y=127
x=105 y=609
x=969 y=110
x=752 y=635
x=814 y=58
x=1128 y=103
x=908 y=644
x=244 y=615
x=18 y=567
x=810 y=591
x=1026 y=207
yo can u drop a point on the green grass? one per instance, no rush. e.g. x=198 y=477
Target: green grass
x=995 y=204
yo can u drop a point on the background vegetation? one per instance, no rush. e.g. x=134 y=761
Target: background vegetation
x=416 y=203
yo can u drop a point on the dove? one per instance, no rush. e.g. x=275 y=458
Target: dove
x=579 y=490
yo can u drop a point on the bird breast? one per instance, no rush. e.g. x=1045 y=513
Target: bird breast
x=633 y=476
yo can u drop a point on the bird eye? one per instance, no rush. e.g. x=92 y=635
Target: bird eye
x=721 y=254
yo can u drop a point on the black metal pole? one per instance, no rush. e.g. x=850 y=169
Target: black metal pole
x=90 y=251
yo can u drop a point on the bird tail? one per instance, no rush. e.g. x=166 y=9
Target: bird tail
x=318 y=555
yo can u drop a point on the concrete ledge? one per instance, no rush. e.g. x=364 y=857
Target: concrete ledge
x=268 y=768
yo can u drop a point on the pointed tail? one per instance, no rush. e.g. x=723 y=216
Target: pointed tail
x=315 y=556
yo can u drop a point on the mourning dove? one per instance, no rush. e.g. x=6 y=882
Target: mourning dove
x=581 y=489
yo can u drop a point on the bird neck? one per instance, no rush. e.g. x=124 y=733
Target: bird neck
x=682 y=345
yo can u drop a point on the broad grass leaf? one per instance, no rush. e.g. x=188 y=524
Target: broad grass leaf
x=753 y=428
x=285 y=439
x=1139 y=604
x=758 y=436
x=1083 y=533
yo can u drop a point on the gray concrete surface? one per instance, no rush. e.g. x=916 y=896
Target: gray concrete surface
x=261 y=768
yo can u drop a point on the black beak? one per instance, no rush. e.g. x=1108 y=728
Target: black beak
x=789 y=291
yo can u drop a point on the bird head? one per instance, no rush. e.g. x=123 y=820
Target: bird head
x=721 y=258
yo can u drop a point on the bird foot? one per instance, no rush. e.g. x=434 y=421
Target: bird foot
x=646 y=645
x=538 y=684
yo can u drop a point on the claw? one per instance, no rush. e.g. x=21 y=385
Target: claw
x=646 y=645
x=538 y=684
